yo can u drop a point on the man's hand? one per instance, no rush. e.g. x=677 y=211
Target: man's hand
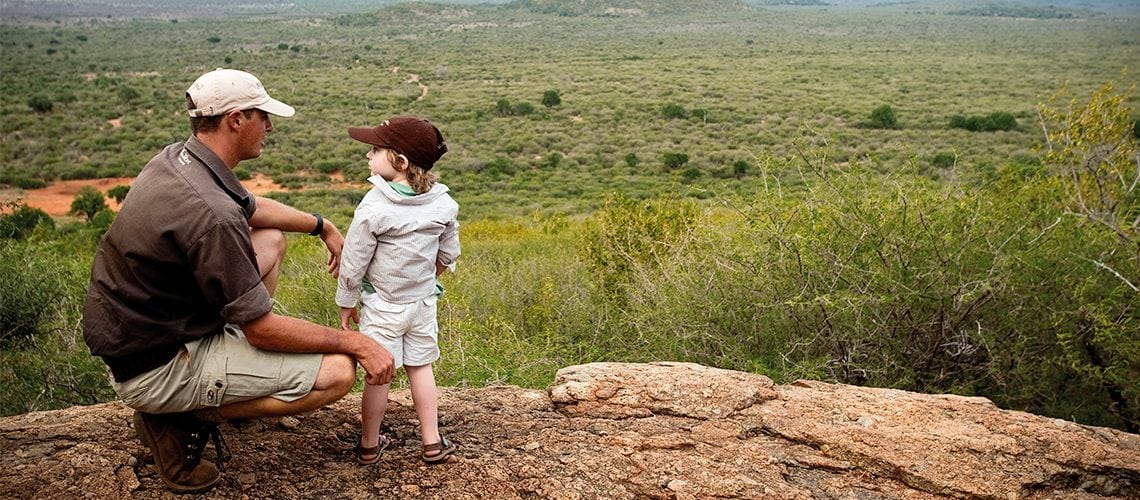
x=334 y=241
x=379 y=367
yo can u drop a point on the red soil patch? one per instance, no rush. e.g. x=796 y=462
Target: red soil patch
x=56 y=199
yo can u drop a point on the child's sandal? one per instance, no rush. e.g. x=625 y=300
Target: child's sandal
x=369 y=456
x=444 y=448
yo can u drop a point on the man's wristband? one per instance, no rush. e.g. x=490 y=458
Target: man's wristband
x=320 y=225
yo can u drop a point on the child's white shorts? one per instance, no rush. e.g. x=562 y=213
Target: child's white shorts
x=408 y=331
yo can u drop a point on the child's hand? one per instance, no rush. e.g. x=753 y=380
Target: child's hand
x=348 y=314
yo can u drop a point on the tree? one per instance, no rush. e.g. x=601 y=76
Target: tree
x=117 y=193
x=550 y=98
x=88 y=202
x=884 y=117
x=1093 y=150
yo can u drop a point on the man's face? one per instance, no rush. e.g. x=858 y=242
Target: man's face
x=254 y=126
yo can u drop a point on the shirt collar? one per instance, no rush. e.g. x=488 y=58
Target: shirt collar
x=222 y=173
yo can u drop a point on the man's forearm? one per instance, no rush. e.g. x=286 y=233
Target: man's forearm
x=277 y=215
x=273 y=332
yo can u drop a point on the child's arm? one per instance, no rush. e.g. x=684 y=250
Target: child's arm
x=359 y=247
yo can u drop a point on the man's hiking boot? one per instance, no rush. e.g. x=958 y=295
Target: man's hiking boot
x=177 y=441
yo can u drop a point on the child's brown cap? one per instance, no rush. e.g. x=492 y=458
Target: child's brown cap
x=415 y=138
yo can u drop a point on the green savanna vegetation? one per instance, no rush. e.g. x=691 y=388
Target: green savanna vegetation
x=932 y=196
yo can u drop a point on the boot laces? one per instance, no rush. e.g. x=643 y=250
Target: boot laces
x=202 y=436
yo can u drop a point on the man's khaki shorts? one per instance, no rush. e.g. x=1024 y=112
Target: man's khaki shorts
x=217 y=371
x=408 y=331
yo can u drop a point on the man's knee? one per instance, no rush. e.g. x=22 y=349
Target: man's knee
x=337 y=375
x=268 y=243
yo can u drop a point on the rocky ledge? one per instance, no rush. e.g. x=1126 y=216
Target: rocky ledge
x=611 y=430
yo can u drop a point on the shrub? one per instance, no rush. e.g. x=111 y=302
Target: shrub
x=498 y=167
x=127 y=93
x=503 y=107
x=550 y=98
x=118 y=193
x=674 y=111
x=988 y=123
x=22 y=219
x=26 y=293
x=626 y=234
x=522 y=109
x=690 y=174
x=739 y=168
x=88 y=202
x=883 y=117
x=631 y=160
x=674 y=161
x=551 y=160
x=944 y=160
x=40 y=104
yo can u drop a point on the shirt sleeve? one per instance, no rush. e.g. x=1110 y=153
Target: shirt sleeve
x=225 y=267
x=359 y=247
x=449 y=244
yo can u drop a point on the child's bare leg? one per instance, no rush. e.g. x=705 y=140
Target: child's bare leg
x=373 y=405
x=426 y=401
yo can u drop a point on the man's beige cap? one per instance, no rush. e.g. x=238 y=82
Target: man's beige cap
x=223 y=90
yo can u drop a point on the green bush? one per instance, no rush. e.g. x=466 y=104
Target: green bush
x=883 y=117
x=44 y=363
x=551 y=98
x=627 y=234
x=674 y=111
x=22 y=220
x=40 y=104
x=503 y=107
x=673 y=160
x=989 y=123
x=88 y=202
x=522 y=108
x=944 y=160
x=118 y=193
x=26 y=294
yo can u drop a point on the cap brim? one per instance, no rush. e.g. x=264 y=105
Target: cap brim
x=367 y=136
x=277 y=108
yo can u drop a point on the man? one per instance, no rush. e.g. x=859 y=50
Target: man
x=180 y=301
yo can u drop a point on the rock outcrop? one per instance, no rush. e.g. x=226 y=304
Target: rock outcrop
x=609 y=430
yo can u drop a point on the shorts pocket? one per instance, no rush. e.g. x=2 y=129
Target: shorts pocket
x=376 y=303
x=212 y=383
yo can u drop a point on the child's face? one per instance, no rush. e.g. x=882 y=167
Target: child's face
x=379 y=164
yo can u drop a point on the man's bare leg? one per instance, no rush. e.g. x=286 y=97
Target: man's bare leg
x=269 y=245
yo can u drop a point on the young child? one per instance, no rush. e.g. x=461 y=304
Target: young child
x=403 y=235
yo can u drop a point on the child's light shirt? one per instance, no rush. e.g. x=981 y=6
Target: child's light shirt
x=394 y=242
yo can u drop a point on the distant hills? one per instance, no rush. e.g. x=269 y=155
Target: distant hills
x=15 y=10
x=627 y=7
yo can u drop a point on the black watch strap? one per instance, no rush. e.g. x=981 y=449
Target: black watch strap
x=320 y=225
